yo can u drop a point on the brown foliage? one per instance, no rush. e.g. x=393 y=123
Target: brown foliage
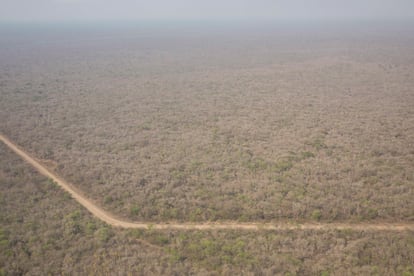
x=200 y=128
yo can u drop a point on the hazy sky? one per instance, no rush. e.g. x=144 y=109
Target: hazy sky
x=68 y=10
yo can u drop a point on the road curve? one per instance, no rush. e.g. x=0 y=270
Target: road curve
x=114 y=221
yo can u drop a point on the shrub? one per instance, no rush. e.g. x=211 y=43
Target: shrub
x=134 y=210
x=103 y=234
x=307 y=154
x=316 y=215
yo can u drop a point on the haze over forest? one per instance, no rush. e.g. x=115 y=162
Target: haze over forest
x=242 y=137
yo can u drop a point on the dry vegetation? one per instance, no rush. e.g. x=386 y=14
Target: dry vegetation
x=43 y=231
x=255 y=125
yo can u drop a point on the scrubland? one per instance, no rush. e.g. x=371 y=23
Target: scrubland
x=43 y=231
x=199 y=124
x=248 y=125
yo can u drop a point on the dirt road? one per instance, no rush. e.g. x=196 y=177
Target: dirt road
x=114 y=221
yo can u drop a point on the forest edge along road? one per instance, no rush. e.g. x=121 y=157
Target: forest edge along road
x=112 y=220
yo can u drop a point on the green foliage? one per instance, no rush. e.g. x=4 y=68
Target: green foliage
x=196 y=214
x=215 y=253
x=67 y=196
x=283 y=165
x=51 y=182
x=374 y=270
x=90 y=228
x=76 y=215
x=256 y=164
x=195 y=166
x=307 y=154
x=178 y=175
x=108 y=199
x=134 y=210
x=372 y=213
x=4 y=241
x=103 y=234
x=317 y=143
x=278 y=178
x=371 y=180
x=161 y=239
x=169 y=213
x=316 y=215
x=175 y=255
x=72 y=223
x=136 y=233
x=408 y=271
x=73 y=228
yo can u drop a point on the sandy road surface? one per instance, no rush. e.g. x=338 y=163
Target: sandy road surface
x=114 y=221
